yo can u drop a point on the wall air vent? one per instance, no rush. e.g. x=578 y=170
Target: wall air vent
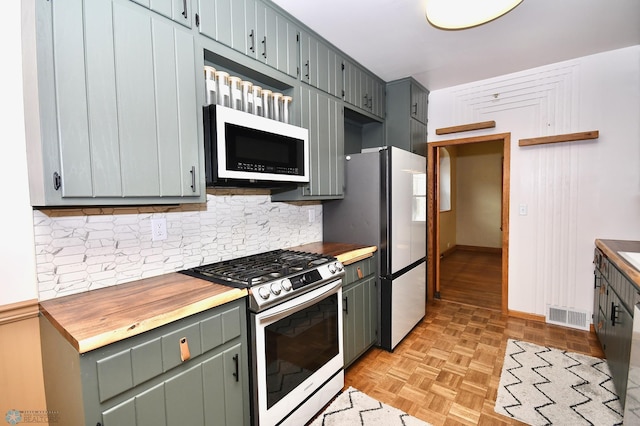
x=568 y=318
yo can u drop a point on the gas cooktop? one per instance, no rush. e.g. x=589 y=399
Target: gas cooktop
x=271 y=277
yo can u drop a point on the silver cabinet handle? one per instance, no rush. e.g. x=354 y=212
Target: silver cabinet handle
x=252 y=36
x=264 y=43
x=307 y=65
x=184 y=9
x=193 y=178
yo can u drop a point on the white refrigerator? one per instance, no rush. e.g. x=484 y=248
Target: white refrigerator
x=385 y=205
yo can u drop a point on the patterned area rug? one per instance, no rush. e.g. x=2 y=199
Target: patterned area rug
x=353 y=407
x=543 y=386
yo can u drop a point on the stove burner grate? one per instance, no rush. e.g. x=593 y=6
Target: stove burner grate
x=255 y=269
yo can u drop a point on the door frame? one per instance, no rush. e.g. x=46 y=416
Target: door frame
x=433 y=210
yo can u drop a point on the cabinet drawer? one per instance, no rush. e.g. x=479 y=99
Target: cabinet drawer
x=359 y=270
x=166 y=349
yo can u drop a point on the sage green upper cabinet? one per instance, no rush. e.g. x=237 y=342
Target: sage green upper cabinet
x=419 y=101
x=364 y=90
x=320 y=65
x=227 y=21
x=406 y=121
x=119 y=121
x=177 y=10
x=252 y=28
x=323 y=115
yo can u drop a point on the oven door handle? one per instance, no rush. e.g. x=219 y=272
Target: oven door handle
x=279 y=313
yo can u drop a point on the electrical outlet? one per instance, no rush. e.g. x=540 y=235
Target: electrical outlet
x=312 y=216
x=159 y=229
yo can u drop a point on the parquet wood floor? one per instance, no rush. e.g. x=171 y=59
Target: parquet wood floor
x=472 y=277
x=447 y=370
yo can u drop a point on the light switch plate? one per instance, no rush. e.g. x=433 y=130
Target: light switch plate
x=523 y=210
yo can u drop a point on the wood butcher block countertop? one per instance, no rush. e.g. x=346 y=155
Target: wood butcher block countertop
x=611 y=248
x=96 y=318
x=344 y=252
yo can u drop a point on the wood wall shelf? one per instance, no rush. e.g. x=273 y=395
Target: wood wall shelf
x=569 y=137
x=466 y=127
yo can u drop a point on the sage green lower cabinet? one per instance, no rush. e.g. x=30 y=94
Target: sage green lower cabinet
x=323 y=115
x=613 y=318
x=144 y=381
x=360 y=308
x=119 y=121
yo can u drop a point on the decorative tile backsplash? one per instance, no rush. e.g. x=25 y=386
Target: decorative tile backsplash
x=87 y=248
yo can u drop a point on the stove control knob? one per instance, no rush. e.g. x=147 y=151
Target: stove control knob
x=332 y=268
x=339 y=266
x=264 y=292
x=286 y=285
x=276 y=288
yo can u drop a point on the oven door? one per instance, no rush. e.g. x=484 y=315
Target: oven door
x=298 y=348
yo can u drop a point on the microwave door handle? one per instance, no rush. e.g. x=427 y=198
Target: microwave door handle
x=280 y=313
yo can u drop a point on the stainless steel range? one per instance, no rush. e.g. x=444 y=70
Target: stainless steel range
x=295 y=313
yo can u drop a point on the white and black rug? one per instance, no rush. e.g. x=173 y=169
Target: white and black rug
x=353 y=407
x=544 y=386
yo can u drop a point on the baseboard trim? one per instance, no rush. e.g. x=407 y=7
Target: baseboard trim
x=18 y=311
x=447 y=252
x=496 y=250
x=527 y=316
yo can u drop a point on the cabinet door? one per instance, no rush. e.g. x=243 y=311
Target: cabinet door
x=363 y=90
x=223 y=376
x=320 y=65
x=216 y=20
x=619 y=349
x=352 y=85
x=348 y=326
x=323 y=115
x=418 y=132
x=360 y=316
x=156 y=104
x=126 y=86
x=418 y=103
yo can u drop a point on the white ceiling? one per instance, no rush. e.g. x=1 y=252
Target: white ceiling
x=393 y=39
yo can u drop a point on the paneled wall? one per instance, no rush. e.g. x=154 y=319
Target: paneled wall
x=572 y=192
x=84 y=249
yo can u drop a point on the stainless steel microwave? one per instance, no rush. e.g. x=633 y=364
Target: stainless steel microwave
x=243 y=149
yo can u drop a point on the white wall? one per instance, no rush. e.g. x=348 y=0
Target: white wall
x=575 y=192
x=17 y=261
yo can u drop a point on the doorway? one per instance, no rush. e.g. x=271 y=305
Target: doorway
x=433 y=218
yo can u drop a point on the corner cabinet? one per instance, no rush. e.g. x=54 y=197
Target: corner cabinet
x=119 y=121
x=360 y=308
x=323 y=115
x=151 y=379
x=406 y=123
x=613 y=318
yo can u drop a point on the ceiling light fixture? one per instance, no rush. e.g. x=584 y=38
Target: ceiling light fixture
x=460 y=14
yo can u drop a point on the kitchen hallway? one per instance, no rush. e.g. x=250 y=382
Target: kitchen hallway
x=473 y=277
x=447 y=370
